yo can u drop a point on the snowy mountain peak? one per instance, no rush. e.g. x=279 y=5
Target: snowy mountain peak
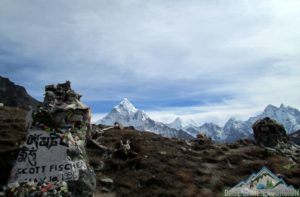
x=210 y=124
x=190 y=123
x=126 y=106
x=178 y=120
x=176 y=124
x=126 y=114
x=141 y=116
x=231 y=121
x=271 y=108
x=234 y=129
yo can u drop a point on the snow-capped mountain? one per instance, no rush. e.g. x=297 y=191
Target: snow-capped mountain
x=122 y=113
x=176 y=124
x=236 y=129
x=211 y=130
x=190 y=126
x=126 y=114
x=287 y=116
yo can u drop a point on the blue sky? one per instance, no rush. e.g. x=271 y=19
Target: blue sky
x=205 y=60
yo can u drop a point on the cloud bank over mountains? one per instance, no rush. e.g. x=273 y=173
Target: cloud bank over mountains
x=205 y=60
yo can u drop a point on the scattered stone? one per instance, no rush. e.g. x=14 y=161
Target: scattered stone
x=118 y=125
x=183 y=148
x=99 y=166
x=188 y=142
x=163 y=152
x=105 y=189
x=107 y=180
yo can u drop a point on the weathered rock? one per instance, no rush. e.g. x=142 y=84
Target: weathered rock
x=203 y=139
x=107 y=180
x=269 y=133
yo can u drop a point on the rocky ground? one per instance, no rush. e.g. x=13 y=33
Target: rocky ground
x=158 y=166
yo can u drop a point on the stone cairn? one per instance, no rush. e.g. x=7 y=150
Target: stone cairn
x=272 y=136
x=53 y=160
x=269 y=133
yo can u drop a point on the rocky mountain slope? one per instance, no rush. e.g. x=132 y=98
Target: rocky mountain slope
x=14 y=95
x=126 y=114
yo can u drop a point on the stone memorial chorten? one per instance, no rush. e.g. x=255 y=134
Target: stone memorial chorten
x=53 y=159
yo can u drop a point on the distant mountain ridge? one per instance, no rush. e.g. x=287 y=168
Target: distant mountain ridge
x=236 y=129
x=14 y=95
x=287 y=116
x=126 y=114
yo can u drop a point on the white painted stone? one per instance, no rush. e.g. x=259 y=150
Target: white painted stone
x=44 y=156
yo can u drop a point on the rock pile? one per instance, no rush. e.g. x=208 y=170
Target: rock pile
x=54 y=152
x=269 y=133
x=203 y=139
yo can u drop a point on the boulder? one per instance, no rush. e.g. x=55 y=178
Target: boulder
x=269 y=133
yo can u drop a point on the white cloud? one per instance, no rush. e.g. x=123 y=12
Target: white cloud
x=218 y=114
x=245 y=53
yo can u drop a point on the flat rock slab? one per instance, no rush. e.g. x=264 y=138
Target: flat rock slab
x=44 y=156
